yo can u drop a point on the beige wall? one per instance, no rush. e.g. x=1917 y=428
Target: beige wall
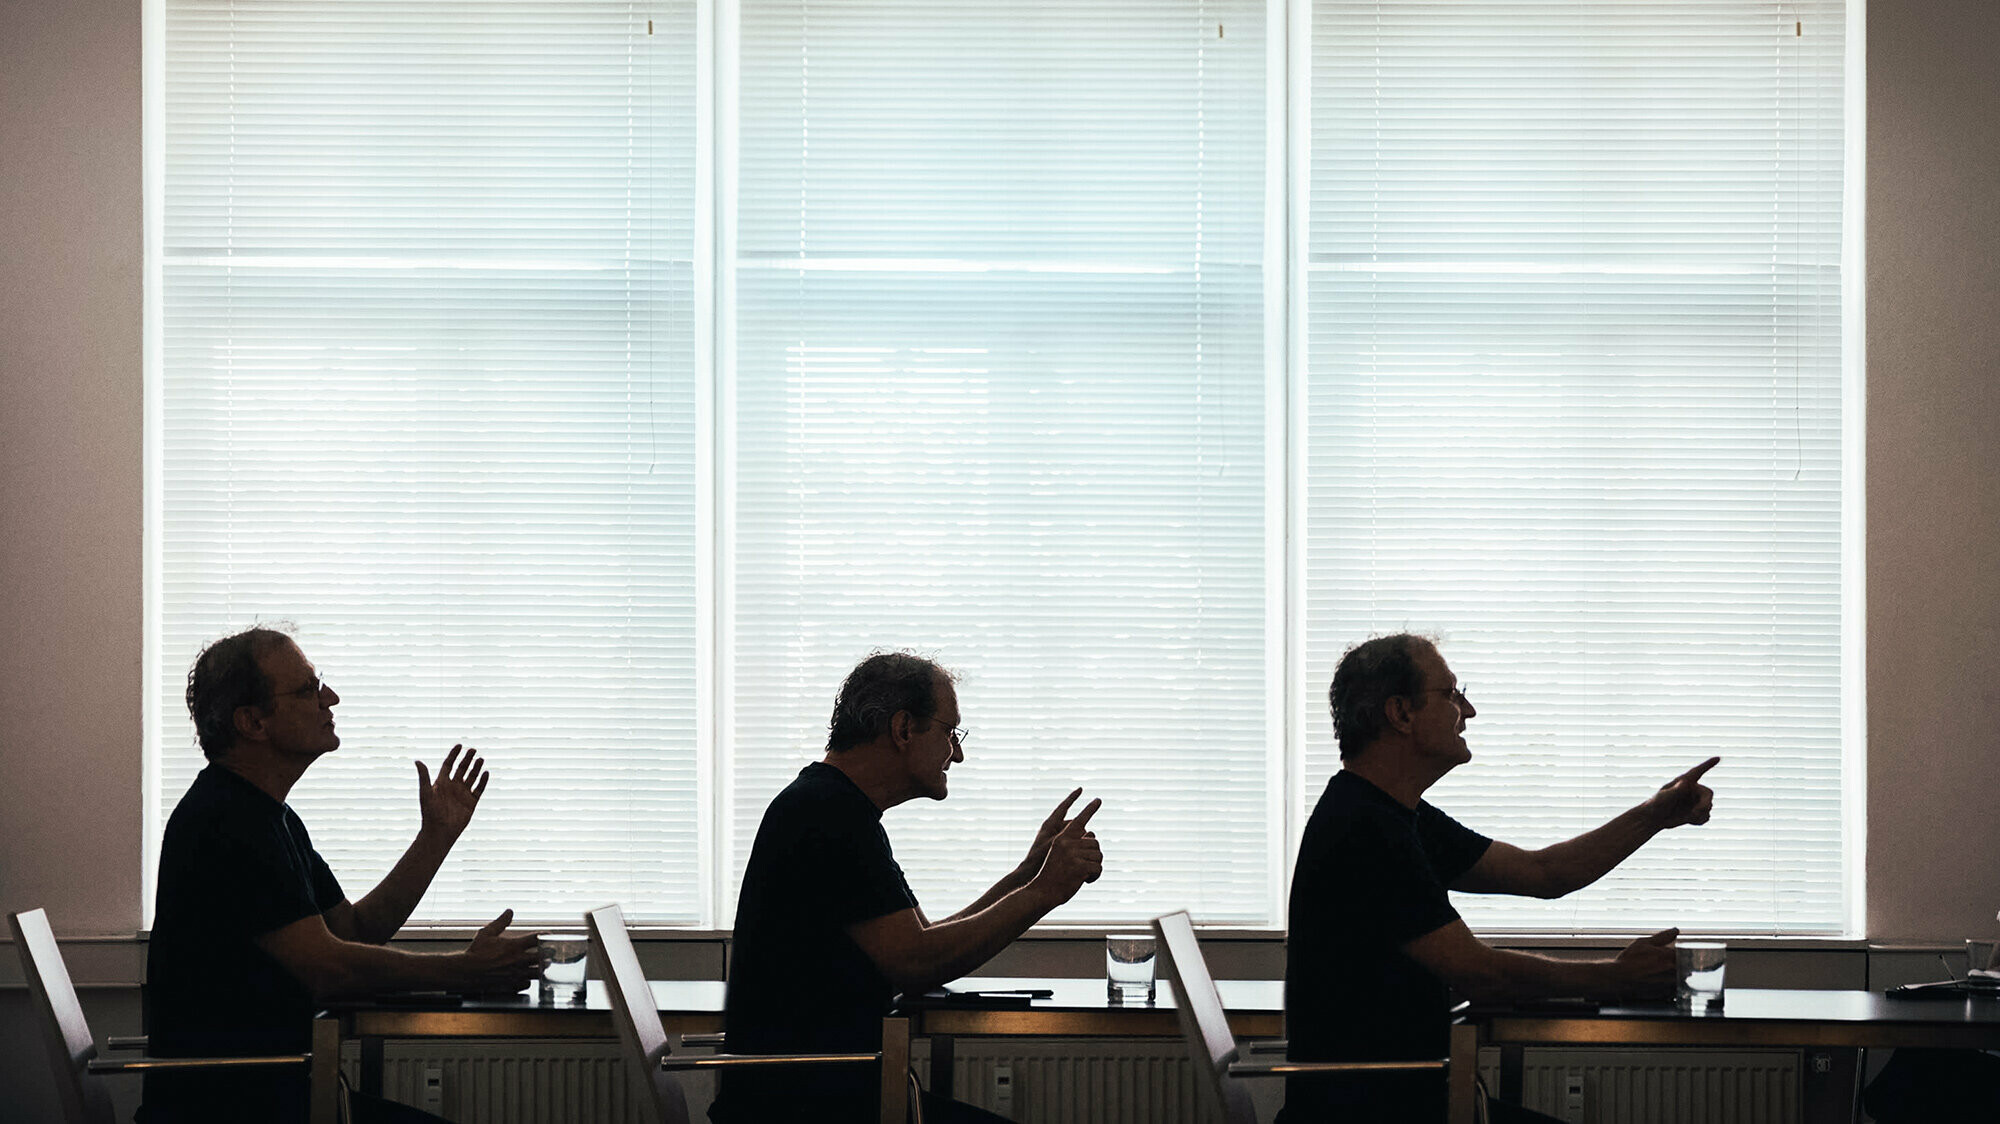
x=70 y=464
x=1933 y=215
x=70 y=387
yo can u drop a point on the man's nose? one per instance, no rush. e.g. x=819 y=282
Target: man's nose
x=328 y=697
x=957 y=750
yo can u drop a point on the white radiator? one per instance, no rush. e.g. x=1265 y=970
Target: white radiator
x=1097 y=1081
x=522 y=1081
x=1101 y=1081
x=1661 y=1087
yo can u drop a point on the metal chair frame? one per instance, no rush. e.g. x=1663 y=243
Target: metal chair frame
x=73 y=1057
x=650 y=1049
x=1212 y=1045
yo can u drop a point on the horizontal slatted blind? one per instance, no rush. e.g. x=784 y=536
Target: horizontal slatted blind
x=1000 y=396
x=998 y=392
x=428 y=393
x=1575 y=403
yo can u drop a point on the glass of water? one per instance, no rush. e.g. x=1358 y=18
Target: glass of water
x=1982 y=965
x=565 y=962
x=1698 y=968
x=1128 y=967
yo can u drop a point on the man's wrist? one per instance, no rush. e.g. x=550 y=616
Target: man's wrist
x=1656 y=815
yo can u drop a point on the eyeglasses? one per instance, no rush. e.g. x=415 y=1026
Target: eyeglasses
x=309 y=690
x=958 y=733
x=1457 y=695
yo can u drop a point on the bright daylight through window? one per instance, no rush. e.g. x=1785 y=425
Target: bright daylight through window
x=599 y=404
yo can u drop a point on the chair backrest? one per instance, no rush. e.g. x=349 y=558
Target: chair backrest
x=71 y=1048
x=1204 y=1024
x=632 y=1008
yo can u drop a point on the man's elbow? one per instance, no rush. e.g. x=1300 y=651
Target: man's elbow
x=328 y=976
x=322 y=981
x=1480 y=985
x=1550 y=881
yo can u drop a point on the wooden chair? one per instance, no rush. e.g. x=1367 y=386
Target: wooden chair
x=1210 y=1042
x=645 y=1040
x=72 y=1051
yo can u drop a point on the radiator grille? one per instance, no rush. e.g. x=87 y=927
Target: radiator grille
x=1664 y=1087
x=1097 y=1081
x=515 y=1082
x=1140 y=1081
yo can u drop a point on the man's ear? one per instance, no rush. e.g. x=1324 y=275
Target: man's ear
x=249 y=721
x=1397 y=713
x=902 y=726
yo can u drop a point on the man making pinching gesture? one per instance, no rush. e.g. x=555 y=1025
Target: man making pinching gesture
x=827 y=930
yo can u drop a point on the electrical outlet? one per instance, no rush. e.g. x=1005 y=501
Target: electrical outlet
x=1573 y=1097
x=431 y=1097
x=1002 y=1093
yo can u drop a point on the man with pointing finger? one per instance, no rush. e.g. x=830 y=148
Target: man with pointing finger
x=1375 y=946
x=827 y=930
x=251 y=930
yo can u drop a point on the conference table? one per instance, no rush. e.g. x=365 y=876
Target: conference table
x=1076 y=1008
x=1831 y=1027
x=685 y=1006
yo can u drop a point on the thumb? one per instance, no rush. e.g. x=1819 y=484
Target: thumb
x=1663 y=937
x=423 y=778
x=498 y=925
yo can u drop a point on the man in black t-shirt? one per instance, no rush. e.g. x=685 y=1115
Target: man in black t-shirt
x=827 y=930
x=1375 y=945
x=251 y=928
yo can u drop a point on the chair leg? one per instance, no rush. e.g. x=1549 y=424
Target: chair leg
x=916 y=1098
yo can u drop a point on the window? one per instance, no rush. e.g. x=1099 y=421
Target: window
x=594 y=383
x=1574 y=400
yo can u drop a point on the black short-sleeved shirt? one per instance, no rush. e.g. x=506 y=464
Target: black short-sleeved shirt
x=1371 y=876
x=234 y=865
x=797 y=982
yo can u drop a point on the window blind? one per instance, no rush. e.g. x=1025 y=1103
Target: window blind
x=1575 y=404
x=990 y=382
x=999 y=396
x=428 y=392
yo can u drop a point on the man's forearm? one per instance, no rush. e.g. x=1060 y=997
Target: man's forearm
x=379 y=915
x=1571 y=865
x=1014 y=880
x=949 y=949
x=355 y=968
x=1510 y=975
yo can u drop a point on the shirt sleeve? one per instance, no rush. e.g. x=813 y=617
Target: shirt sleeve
x=854 y=873
x=257 y=882
x=326 y=889
x=1451 y=846
x=1400 y=894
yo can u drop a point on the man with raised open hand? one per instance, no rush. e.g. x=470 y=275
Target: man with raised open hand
x=251 y=929
x=1375 y=945
x=827 y=930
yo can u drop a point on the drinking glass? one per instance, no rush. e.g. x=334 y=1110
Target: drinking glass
x=1128 y=967
x=1698 y=971
x=1982 y=970
x=565 y=961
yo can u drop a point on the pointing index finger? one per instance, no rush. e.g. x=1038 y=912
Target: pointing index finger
x=1076 y=826
x=1062 y=809
x=1695 y=773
